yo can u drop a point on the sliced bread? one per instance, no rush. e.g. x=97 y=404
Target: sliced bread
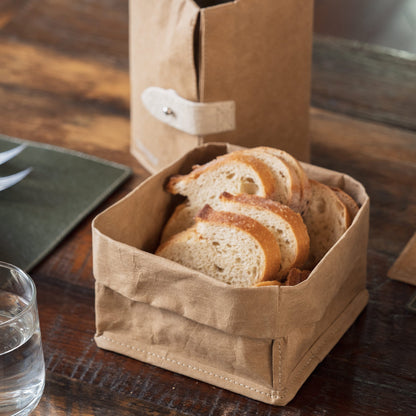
x=287 y=183
x=300 y=173
x=286 y=226
x=234 y=173
x=232 y=248
x=182 y=218
x=326 y=219
x=296 y=276
x=351 y=205
x=260 y=171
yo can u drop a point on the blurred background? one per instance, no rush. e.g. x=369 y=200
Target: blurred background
x=42 y=43
x=388 y=23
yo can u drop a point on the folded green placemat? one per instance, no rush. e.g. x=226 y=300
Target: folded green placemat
x=63 y=187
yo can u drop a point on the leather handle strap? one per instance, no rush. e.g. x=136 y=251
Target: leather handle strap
x=191 y=117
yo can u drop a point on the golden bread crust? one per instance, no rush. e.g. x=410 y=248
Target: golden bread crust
x=268 y=283
x=320 y=232
x=294 y=190
x=296 y=276
x=252 y=227
x=180 y=219
x=351 y=205
x=302 y=178
x=288 y=215
x=260 y=168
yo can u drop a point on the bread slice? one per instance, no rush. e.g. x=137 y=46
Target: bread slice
x=232 y=248
x=351 y=205
x=260 y=171
x=294 y=277
x=286 y=226
x=300 y=173
x=326 y=219
x=234 y=173
x=182 y=218
x=288 y=186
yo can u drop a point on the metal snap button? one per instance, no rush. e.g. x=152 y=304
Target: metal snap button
x=167 y=111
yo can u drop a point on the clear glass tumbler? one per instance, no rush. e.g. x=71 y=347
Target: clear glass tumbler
x=22 y=366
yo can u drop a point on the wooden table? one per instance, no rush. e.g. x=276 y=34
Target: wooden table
x=64 y=80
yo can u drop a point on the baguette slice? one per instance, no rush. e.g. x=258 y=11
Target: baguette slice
x=300 y=173
x=234 y=173
x=260 y=171
x=286 y=226
x=288 y=186
x=351 y=205
x=326 y=219
x=182 y=218
x=296 y=276
x=232 y=248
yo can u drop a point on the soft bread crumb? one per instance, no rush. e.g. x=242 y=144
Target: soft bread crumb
x=287 y=226
x=326 y=219
x=232 y=248
x=288 y=187
x=349 y=202
x=258 y=175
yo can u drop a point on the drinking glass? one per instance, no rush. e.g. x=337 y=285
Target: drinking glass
x=22 y=367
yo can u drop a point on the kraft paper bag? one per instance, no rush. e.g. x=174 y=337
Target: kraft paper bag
x=259 y=342
x=219 y=71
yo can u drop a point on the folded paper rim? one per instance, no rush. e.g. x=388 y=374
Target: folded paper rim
x=274 y=314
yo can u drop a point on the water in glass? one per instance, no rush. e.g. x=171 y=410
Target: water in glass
x=22 y=372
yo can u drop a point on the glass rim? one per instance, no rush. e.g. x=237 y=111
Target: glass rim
x=31 y=302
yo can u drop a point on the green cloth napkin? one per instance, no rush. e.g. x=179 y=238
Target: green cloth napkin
x=63 y=187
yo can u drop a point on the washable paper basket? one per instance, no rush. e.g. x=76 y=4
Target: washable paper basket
x=259 y=342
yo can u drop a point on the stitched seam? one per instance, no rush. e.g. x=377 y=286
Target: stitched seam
x=279 y=375
x=274 y=395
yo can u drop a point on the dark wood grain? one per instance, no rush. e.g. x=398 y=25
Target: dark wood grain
x=64 y=80
x=378 y=22
x=364 y=81
x=72 y=397
x=9 y=9
x=96 y=29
